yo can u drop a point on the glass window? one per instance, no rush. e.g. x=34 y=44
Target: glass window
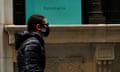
x=57 y=11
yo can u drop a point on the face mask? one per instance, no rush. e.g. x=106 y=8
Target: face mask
x=46 y=30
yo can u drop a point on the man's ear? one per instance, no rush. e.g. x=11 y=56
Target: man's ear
x=38 y=27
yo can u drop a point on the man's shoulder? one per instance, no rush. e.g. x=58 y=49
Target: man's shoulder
x=32 y=40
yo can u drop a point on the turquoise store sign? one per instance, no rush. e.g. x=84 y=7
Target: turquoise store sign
x=58 y=12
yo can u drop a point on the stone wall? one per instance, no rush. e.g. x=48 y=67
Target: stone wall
x=84 y=48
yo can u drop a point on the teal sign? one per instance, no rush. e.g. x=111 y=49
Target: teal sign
x=58 y=12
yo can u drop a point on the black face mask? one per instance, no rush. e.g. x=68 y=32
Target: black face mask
x=46 y=31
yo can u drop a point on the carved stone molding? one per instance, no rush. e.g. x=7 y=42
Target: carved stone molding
x=99 y=33
x=11 y=29
x=105 y=52
x=105 y=55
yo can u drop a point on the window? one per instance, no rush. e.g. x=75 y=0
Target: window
x=69 y=11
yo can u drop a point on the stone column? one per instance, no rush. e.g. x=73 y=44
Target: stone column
x=95 y=12
x=1 y=36
x=6 y=16
x=8 y=11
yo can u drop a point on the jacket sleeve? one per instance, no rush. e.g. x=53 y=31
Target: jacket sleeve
x=32 y=58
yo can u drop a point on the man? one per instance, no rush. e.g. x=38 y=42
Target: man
x=30 y=45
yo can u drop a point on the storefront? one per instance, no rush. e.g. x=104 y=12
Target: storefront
x=71 y=46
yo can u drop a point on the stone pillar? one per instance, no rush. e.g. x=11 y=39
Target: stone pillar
x=6 y=16
x=1 y=35
x=8 y=11
x=95 y=12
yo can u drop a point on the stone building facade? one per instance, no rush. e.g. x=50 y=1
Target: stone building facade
x=82 y=48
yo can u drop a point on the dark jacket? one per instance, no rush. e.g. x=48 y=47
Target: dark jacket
x=30 y=52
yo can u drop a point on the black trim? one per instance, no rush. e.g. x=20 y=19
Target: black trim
x=85 y=11
x=19 y=12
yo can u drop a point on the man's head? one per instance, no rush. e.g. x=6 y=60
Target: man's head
x=38 y=23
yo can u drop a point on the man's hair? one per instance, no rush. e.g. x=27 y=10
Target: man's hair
x=33 y=21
